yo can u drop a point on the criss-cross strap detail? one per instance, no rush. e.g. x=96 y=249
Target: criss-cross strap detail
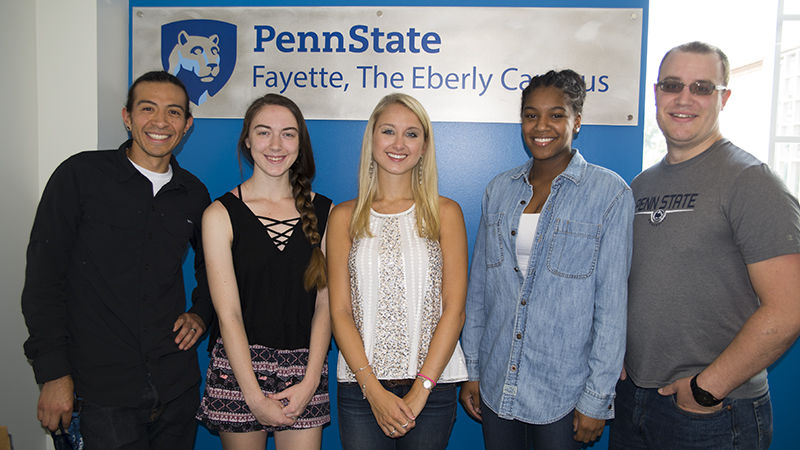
x=280 y=231
x=274 y=227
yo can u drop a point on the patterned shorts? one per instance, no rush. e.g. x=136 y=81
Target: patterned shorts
x=223 y=407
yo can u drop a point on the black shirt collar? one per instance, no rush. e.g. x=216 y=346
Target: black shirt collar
x=126 y=169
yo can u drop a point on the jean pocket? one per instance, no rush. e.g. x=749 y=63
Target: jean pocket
x=712 y=415
x=573 y=248
x=762 y=408
x=494 y=240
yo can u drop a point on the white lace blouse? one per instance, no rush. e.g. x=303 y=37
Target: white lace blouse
x=396 y=295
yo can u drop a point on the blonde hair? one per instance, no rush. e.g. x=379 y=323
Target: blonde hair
x=426 y=193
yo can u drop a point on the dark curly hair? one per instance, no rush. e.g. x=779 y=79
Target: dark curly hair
x=570 y=83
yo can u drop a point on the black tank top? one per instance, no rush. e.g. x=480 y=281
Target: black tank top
x=276 y=308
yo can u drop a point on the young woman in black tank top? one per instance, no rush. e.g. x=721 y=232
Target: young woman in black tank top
x=264 y=250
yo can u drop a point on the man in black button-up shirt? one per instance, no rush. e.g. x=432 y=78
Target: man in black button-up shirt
x=104 y=298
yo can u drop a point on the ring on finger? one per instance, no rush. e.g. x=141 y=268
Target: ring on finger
x=405 y=424
x=194 y=330
x=391 y=433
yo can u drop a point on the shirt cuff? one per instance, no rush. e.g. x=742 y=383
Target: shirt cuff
x=473 y=369
x=596 y=406
x=50 y=366
x=204 y=311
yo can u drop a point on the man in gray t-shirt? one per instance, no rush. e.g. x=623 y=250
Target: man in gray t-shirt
x=714 y=289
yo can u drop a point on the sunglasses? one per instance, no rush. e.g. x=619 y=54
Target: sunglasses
x=700 y=87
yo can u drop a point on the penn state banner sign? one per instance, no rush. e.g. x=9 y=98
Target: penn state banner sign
x=464 y=64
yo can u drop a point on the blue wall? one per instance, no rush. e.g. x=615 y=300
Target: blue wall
x=469 y=155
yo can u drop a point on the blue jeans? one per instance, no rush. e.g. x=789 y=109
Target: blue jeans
x=359 y=430
x=647 y=420
x=505 y=434
x=151 y=426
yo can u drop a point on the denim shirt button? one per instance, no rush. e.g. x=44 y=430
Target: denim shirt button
x=516 y=269
x=513 y=232
x=519 y=335
x=522 y=202
x=513 y=368
x=524 y=302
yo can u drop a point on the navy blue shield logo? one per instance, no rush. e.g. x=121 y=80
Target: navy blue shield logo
x=201 y=53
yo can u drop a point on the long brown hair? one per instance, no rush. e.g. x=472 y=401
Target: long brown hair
x=300 y=175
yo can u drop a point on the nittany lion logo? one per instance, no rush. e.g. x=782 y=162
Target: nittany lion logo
x=198 y=54
x=658 y=216
x=201 y=53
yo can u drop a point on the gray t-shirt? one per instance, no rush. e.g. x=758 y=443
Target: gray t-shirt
x=697 y=226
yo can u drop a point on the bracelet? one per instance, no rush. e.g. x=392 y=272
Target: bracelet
x=364 y=386
x=424 y=377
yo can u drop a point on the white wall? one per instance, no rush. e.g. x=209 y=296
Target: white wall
x=51 y=98
x=112 y=71
x=19 y=183
x=66 y=75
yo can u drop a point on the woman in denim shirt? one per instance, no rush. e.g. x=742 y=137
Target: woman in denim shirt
x=546 y=305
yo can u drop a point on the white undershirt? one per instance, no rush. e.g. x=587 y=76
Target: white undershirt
x=158 y=180
x=526 y=233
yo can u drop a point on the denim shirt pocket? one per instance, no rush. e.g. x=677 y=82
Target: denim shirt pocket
x=573 y=248
x=494 y=240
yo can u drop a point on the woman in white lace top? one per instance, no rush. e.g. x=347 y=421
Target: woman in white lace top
x=397 y=262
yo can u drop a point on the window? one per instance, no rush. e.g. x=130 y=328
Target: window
x=746 y=32
x=784 y=145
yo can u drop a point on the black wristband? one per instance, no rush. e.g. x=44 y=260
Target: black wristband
x=702 y=396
